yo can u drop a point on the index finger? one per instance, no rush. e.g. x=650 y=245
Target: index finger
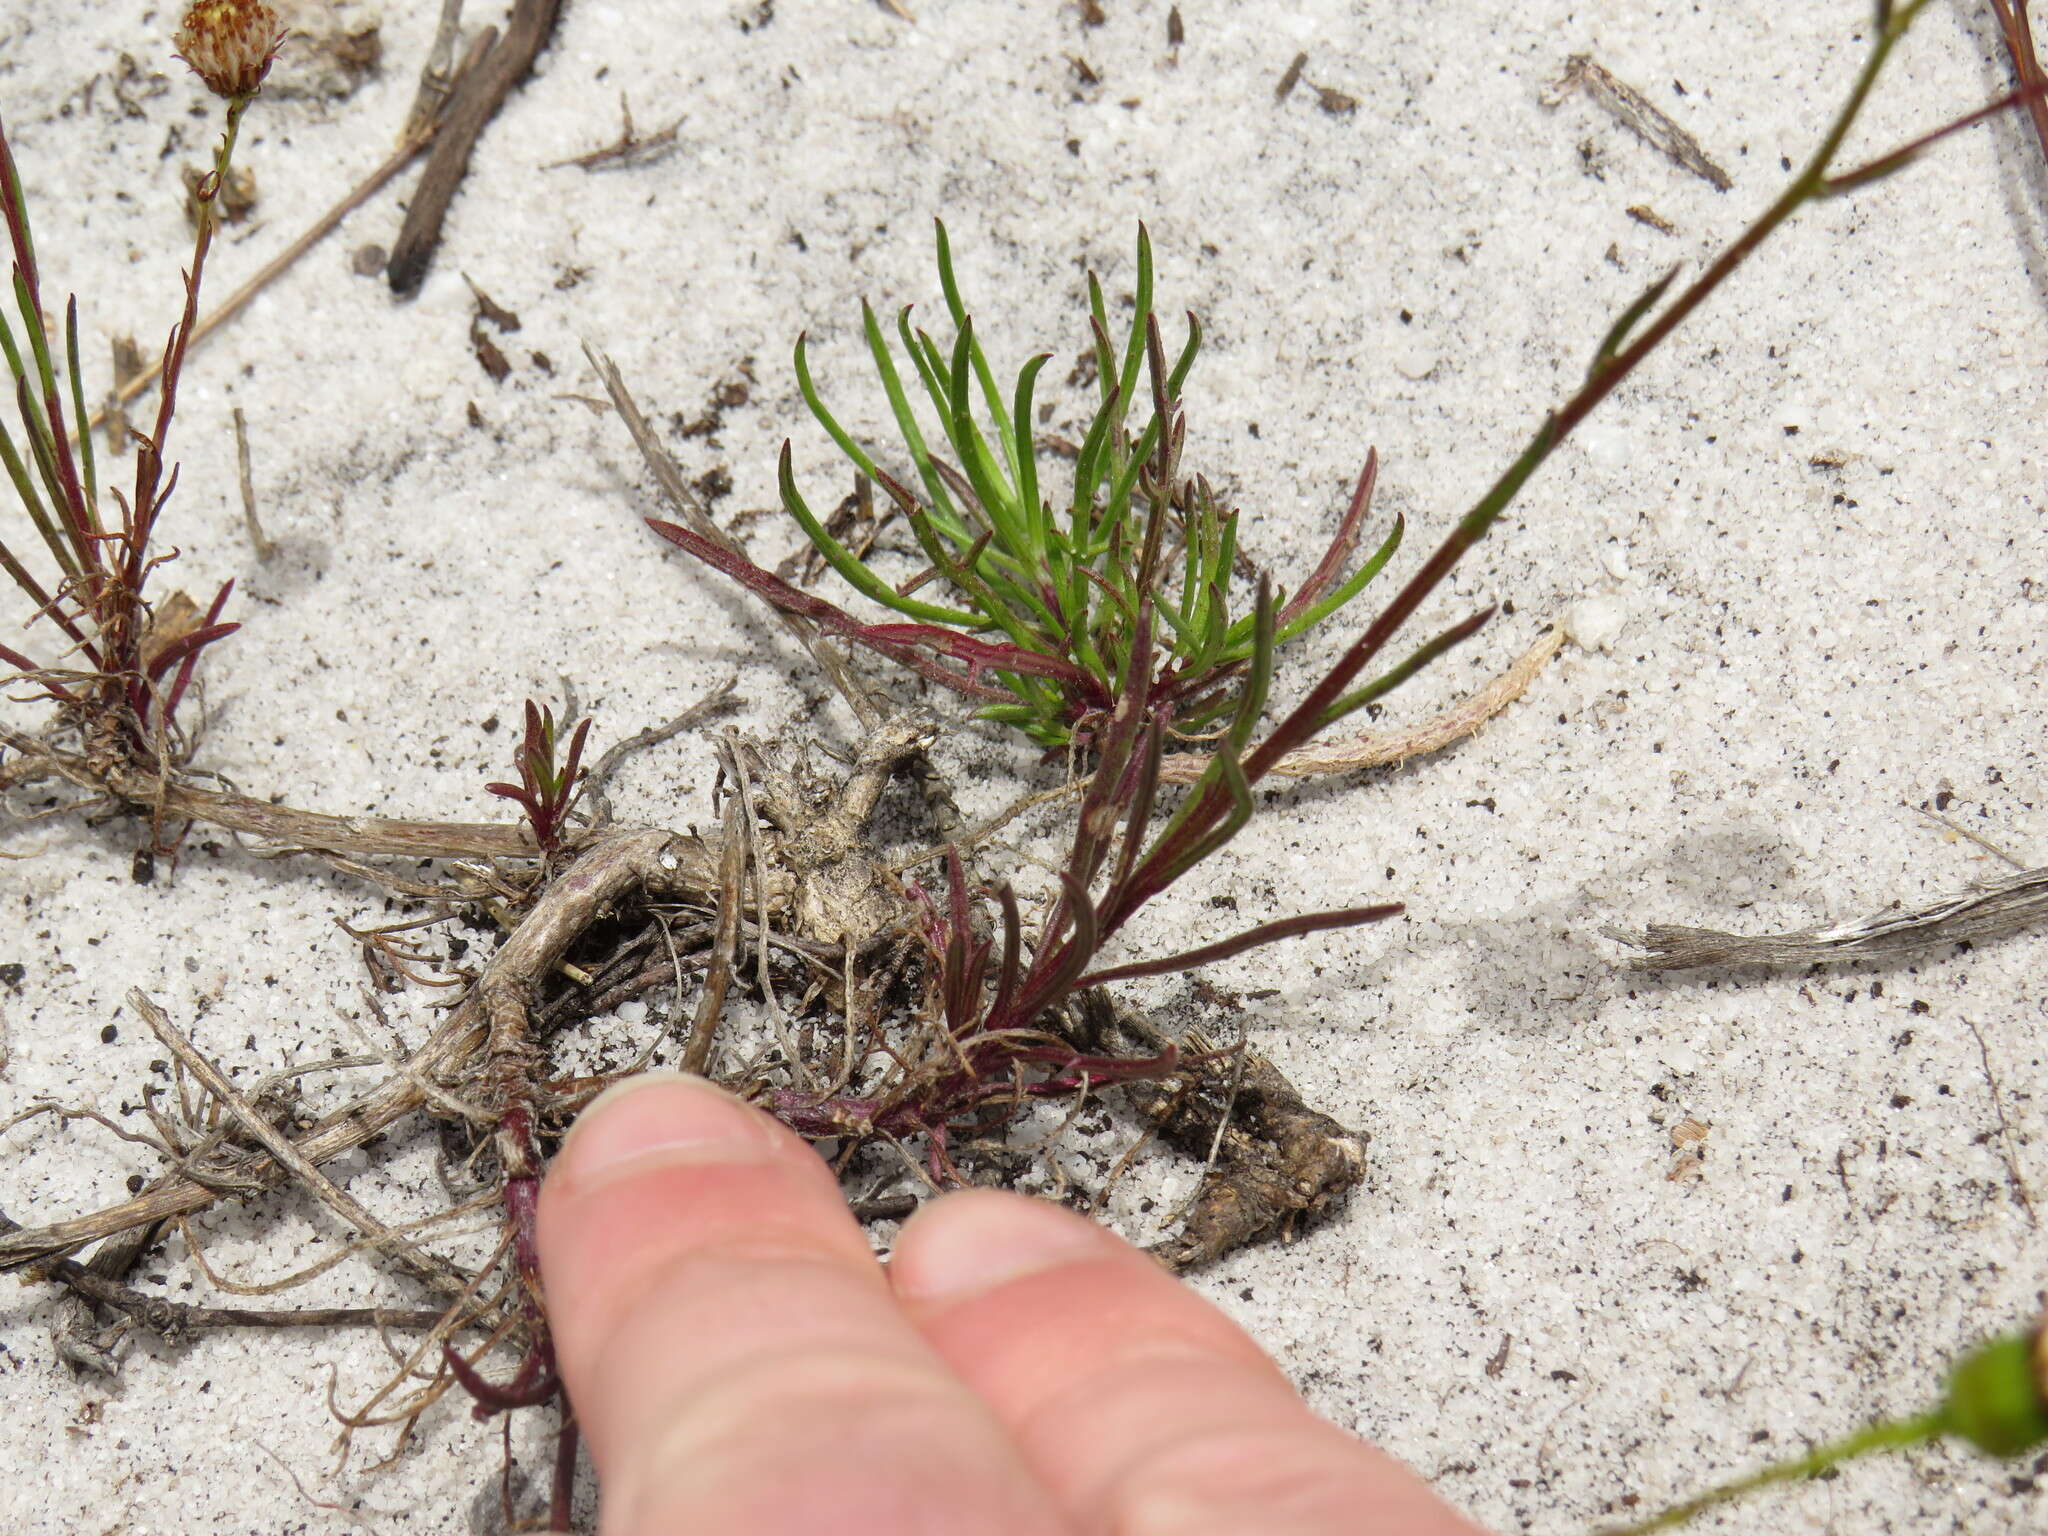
x=733 y=1353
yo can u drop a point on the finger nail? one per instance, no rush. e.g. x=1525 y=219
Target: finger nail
x=968 y=1244
x=658 y=1119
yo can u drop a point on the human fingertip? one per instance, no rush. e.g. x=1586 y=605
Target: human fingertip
x=971 y=1243
x=657 y=1119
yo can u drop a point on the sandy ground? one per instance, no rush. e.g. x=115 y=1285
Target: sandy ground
x=1819 y=513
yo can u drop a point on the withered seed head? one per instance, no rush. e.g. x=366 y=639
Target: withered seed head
x=230 y=44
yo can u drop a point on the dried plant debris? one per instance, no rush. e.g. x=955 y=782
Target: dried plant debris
x=1290 y=78
x=478 y=93
x=1635 y=112
x=488 y=354
x=1988 y=910
x=264 y=545
x=1688 y=1151
x=1384 y=749
x=629 y=150
x=871 y=1032
x=1272 y=1166
x=128 y=365
x=729 y=394
x=1335 y=102
x=1331 y=100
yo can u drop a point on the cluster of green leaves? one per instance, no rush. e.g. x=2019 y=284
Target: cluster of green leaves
x=1040 y=595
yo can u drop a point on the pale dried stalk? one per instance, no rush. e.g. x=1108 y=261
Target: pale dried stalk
x=718 y=972
x=1989 y=910
x=1381 y=749
x=435 y=1271
x=313 y=831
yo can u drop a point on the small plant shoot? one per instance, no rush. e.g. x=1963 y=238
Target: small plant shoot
x=547 y=784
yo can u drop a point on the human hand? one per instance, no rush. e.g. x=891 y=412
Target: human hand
x=741 y=1365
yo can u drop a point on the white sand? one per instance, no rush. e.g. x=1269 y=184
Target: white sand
x=1806 y=651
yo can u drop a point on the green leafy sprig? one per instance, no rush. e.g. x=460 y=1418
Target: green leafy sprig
x=1045 y=590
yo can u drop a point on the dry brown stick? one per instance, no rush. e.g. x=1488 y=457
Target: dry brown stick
x=476 y=101
x=1290 y=78
x=1380 y=749
x=436 y=1271
x=1989 y=910
x=174 y=1320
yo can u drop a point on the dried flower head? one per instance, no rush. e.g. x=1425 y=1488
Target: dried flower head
x=230 y=44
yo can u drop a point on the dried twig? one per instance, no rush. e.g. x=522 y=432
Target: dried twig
x=1989 y=910
x=177 y=1320
x=266 y=549
x=1635 y=112
x=438 y=74
x=627 y=150
x=1291 y=78
x=476 y=100
x=279 y=824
